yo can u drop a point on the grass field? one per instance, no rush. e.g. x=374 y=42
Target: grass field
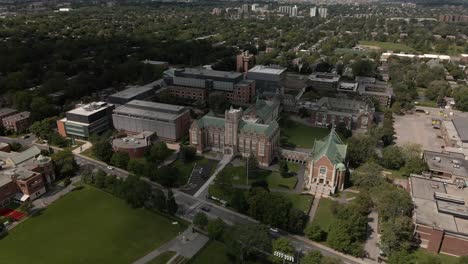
x=185 y=169
x=274 y=178
x=300 y=135
x=396 y=47
x=300 y=201
x=213 y=252
x=421 y=256
x=324 y=215
x=87 y=226
x=163 y=258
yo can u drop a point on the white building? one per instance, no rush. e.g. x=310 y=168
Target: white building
x=323 y=11
x=294 y=11
x=313 y=11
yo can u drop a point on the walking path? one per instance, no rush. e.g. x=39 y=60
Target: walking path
x=225 y=161
x=87 y=145
x=315 y=205
x=372 y=243
x=186 y=244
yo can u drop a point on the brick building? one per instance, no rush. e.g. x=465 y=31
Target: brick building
x=18 y=122
x=135 y=146
x=326 y=169
x=25 y=175
x=244 y=61
x=233 y=135
x=440 y=215
x=332 y=111
x=197 y=84
x=6 y=112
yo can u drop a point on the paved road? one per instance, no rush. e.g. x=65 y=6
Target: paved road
x=189 y=206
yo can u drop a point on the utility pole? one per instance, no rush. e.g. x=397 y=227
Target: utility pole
x=248 y=158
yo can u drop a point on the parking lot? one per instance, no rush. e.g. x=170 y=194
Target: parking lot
x=417 y=128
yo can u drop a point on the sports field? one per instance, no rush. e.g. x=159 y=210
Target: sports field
x=87 y=226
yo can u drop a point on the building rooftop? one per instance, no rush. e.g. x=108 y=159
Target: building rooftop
x=448 y=162
x=377 y=88
x=4 y=179
x=324 y=77
x=7 y=111
x=132 y=91
x=135 y=141
x=150 y=110
x=432 y=208
x=331 y=146
x=268 y=70
x=18 y=116
x=25 y=155
x=461 y=125
x=206 y=74
x=89 y=109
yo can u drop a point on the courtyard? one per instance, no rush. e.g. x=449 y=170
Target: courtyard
x=87 y=226
x=299 y=135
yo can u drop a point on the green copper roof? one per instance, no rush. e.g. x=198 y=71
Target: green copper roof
x=267 y=130
x=210 y=121
x=331 y=146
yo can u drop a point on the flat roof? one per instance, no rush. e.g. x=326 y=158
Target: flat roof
x=132 y=91
x=89 y=109
x=461 y=125
x=139 y=140
x=4 y=179
x=431 y=212
x=18 y=116
x=150 y=110
x=267 y=70
x=324 y=77
x=7 y=111
x=208 y=73
x=450 y=162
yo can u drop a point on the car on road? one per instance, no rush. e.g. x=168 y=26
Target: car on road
x=25 y=136
x=110 y=168
x=206 y=208
x=274 y=230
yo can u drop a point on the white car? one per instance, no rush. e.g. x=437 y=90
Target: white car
x=110 y=168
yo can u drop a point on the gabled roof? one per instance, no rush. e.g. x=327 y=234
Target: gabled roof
x=267 y=130
x=210 y=121
x=25 y=155
x=332 y=147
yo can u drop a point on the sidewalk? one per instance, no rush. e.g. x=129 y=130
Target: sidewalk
x=186 y=244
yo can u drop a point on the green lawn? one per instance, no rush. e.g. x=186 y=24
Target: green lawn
x=324 y=215
x=87 y=226
x=163 y=258
x=300 y=135
x=421 y=256
x=300 y=201
x=213 y=252
x=396 y=47
x=274 y=178
x=185 y=169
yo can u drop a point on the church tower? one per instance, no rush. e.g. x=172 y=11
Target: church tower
x=231 y=130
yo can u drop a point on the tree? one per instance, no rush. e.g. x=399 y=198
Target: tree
x=343 y=131
x=360 y=149
x=159 y=151
x=393 y=158
x=200 y=220
x=136 y=166
x=135 y=191
x=391 y=202
x=15 y=146
x=313 y=257
x=42 y=128
x=40 y=108
x=368 y=175
x=65 y=164
x=187 y=153
x=282 y=245
x=102 y=149
x=414 y=165
x=238 y=200
x=396 y=235
x=363 y=68
x=245 y=240
x=303 y=113
x=100 y=179
x=171 y=203
x=296 y=221
x=159 y=200
x=218 y=102
x=283 y=168
x=120 y=159
x=215 y=228
x=251 y=164
x=315 y=233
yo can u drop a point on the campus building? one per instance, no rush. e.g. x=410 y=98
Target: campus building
x=244 y=61
x=440 y=215
x=197 y=84
x=169 y=122
x=6 y=112
x=324 y=81
x=17 y=122
x=134 y=145
x=447 y=166
x=332 y=111
x=325 y=167
x=85 y=120
x=455 y=133
x=24 y=176
x=370 y=88
x=131 y=93
x=267 y=78
x=233 y=135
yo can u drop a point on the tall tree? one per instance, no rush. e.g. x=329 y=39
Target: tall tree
x=171 y=203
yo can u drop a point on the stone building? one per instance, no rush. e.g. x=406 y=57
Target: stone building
x=234 y=135
x=326 y=169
